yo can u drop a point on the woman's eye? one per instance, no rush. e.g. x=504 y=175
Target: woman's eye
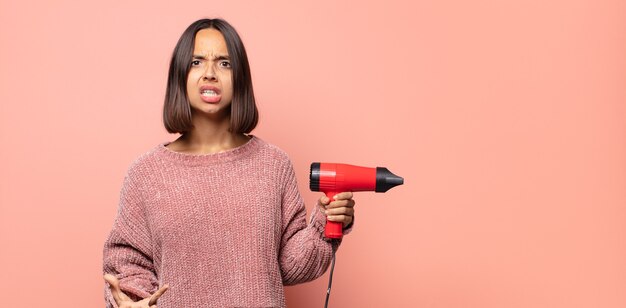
x=225 y=64
x=195 y=62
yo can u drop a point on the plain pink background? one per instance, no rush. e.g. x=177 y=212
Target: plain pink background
x=506 y=119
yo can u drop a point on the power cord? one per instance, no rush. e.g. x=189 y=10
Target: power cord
x=330 y=279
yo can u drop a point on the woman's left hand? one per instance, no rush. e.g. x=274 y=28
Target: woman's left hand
x=340 y=210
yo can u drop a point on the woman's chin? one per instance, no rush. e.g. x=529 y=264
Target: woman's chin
x=211 y=111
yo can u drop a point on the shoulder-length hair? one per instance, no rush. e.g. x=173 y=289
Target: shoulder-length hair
x=177 y=110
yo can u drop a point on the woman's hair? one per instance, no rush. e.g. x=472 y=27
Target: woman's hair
x=177 y=110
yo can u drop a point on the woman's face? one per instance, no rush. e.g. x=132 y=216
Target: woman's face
x=209 y=83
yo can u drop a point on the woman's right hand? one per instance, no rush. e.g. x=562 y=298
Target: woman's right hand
x=123 y=301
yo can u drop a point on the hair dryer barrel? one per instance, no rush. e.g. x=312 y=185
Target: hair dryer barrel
x=343 y=177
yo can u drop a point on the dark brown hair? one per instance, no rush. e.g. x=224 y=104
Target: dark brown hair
x=177 y=110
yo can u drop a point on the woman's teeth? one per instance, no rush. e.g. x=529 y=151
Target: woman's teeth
x=208 y=93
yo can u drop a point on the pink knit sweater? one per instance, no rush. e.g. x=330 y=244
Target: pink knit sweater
x=223 y=230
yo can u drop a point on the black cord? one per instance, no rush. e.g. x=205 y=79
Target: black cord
x=330 y=279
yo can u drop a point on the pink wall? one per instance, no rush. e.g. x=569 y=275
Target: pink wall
x=506 y=118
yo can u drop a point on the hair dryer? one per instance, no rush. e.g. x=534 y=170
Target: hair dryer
x=333 y=178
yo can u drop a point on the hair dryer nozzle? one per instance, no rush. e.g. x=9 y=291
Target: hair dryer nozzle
x=385 y=180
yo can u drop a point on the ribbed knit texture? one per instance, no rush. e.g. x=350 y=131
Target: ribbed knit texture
x=223 y=230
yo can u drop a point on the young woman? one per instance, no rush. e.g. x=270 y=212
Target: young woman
x=214 y=217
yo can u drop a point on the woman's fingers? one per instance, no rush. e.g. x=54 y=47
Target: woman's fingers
x=342 y=214
x=122 y=300
x=322 y=203
x=157 y=294
x=340 y=218
x=341 y=203
x=343 y=195
x=117 y=293
x=323 y=200
x=340 y=211
x=345 y=219
x=340 y=200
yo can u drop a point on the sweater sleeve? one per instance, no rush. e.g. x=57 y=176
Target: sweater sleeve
x=128 y=249
x=305 y=253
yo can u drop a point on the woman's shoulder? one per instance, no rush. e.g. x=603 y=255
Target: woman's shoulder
x=146 y=160
x=273 y=150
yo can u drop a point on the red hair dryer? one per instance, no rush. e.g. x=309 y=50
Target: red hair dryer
x=335 y=178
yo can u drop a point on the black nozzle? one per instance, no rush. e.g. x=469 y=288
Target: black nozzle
x=385 y=180
x=314 y=177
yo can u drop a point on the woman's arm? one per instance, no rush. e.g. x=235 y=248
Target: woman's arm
x=128 y=249
x=305 y=254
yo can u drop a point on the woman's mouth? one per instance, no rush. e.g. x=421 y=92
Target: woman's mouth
x=210 y=95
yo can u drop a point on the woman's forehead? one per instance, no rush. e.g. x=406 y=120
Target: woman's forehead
x=210 y=43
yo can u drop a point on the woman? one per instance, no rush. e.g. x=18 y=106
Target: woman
x=215 y=214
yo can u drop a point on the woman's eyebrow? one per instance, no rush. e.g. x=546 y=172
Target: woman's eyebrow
x=218 y=57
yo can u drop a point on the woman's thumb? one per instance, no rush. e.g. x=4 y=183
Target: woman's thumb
x=115 y=288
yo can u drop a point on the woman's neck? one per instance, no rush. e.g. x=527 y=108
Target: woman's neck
x=208 y=136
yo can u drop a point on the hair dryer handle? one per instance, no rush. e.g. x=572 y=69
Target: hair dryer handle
x=333 y=229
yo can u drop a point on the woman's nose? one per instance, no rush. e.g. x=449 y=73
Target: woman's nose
x=209 y=73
